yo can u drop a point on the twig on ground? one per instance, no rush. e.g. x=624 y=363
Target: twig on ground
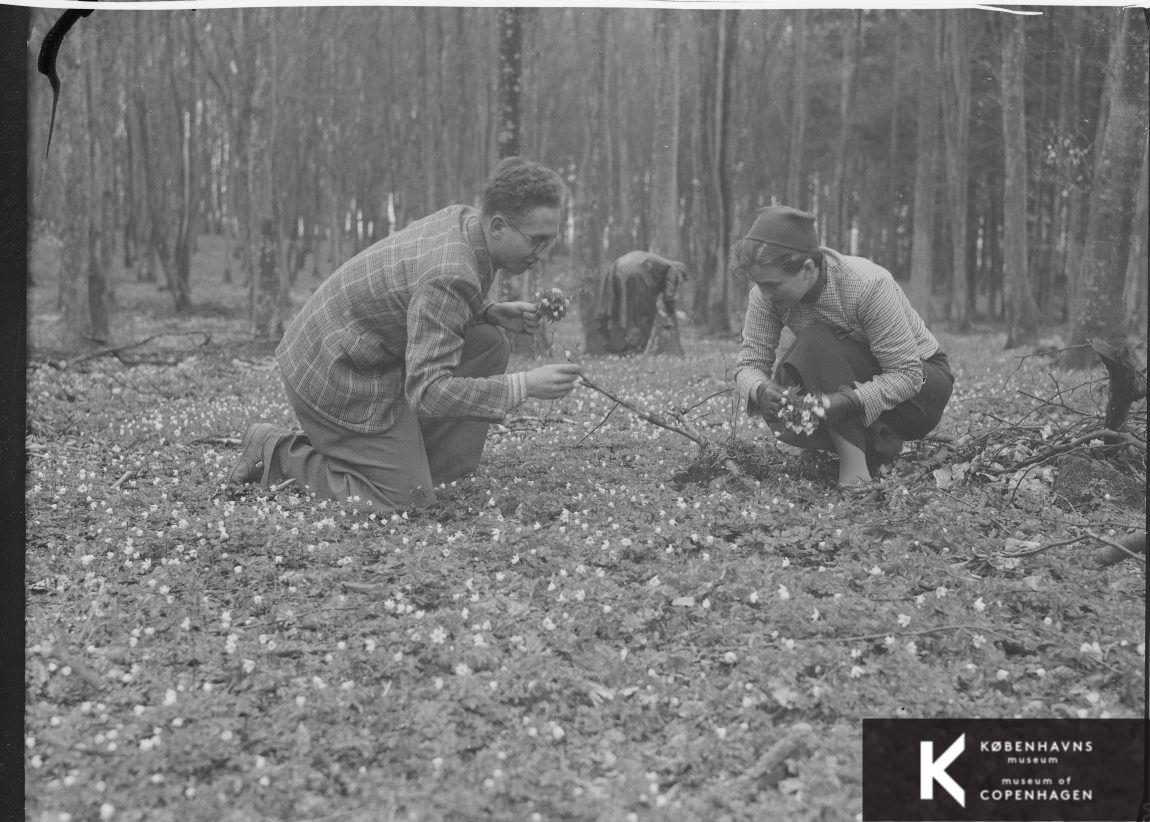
x=597 y=426
x=655 y=419
x=131 y=474
x=937 y=630
x=771 y=764
x=372 y=589
x=1032 y=551
x=1049 y=402
x=275 y=489
x=117 y=350
x=678 y=424
x=691 y=408
x=1119 y=546
x=1107 y=436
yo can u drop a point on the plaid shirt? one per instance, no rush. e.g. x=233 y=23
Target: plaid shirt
x=387 y=328
x=862 y=300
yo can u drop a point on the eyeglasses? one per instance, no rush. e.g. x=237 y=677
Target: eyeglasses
x=538 y=246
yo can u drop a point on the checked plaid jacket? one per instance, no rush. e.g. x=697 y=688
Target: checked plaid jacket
x=386 y=328
x=861 y=299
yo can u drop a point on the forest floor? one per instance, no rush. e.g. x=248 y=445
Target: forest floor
x=600 y=624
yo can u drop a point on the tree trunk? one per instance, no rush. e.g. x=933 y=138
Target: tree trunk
x=956 y=114
x=795 y=187
x=838 y=235
x=1021 y=311
x=96 y=179
x=589 y=221
x=664 y=200
x=1098 y=307
x=1134 y=295
x=892 y=248
x=926 y=172
x=720 y=322
x=179 y=279
x=157 y=217
x=267 y=283
x=703 y=219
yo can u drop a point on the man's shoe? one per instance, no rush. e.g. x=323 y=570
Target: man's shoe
x=250 y=466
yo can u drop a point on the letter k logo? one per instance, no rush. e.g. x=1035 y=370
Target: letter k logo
x=933 y=770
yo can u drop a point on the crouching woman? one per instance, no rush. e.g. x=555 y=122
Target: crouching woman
x=858 y=341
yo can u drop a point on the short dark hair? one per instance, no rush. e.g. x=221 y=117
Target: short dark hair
x=516 y=186
x=747 y=253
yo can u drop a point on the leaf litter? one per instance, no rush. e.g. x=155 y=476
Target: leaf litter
x=601 y=623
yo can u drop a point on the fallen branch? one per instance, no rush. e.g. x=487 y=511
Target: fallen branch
x=678 y=424
x=598 y=425
x=116 y=351
x=1109 y=440
x=1113 y=552
x=938 y=630
x=771 y=766
x=654 y=419
x=131 y=474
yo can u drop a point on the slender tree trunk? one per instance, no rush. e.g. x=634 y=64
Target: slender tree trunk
x=1098 y=312
x=181 y=77
x=703 y=219
x=795 y=187
x=664 y=201
x=157 y=210
x=839 y=233
x=728 y=37
x=267 y=290
x=892 y=249
x=1076 y=205
x=1134 y=295
x=926 y=171
x=589 y=223
x=956 y=113
x=96 y=180
x=1021 y=311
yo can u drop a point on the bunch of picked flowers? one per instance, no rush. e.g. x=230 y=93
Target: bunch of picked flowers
x=803 y=414
x=552 y=305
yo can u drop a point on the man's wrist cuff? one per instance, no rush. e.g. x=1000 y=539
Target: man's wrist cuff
x=518 y=384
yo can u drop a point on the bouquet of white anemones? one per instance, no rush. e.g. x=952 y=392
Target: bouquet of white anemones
x=802 y=414
x=552 y=306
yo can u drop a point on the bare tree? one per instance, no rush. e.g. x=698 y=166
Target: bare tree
x=589 y=221
x=510 y=67
x=1098 y=312
x=798 y=125
x=664 y=200
x=1134 y=295
x=1021 y=310
x=838 y=234
x=956 y=116
x=926 y=170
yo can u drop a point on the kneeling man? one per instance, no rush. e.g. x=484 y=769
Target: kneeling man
x=395 y=366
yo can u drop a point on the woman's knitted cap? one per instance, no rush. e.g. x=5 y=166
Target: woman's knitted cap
x=786 y=227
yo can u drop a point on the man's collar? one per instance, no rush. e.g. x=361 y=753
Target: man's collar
x=473 y=228
x=816 y=290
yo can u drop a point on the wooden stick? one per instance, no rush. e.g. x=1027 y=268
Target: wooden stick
x=683 y=429
x=1101 y=434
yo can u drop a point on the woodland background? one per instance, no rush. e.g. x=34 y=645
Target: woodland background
x=603 y=622
x=995 y=163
